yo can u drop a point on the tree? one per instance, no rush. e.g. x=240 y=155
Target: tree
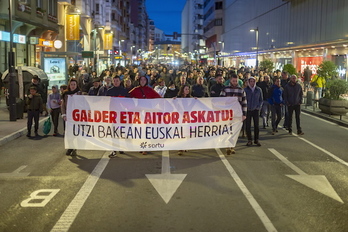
x=335 y=88
x=328 y=70
x=267 y=65
x=290 y=69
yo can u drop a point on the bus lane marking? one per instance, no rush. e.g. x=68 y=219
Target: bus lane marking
x=71 y=212
x=318 y=183
x=323 y=150
x=254 y=204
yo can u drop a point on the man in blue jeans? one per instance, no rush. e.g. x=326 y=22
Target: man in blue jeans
x=254 y=103
x=293 y=96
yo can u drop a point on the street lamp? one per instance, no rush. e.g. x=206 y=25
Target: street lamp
x=95 y=49
x=221 y=52
x=257 y=46
x=120 y=48
x=11 y=69
x=132 y=53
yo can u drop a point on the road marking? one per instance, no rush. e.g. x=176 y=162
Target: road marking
x=323 y=120
x=69 y=215
x=39 y=198
x=323 y=150
x=318 y=183
x=257 y=208
x=166 y=183
x=16 y=173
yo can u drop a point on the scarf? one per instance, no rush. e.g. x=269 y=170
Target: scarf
x=69 y=92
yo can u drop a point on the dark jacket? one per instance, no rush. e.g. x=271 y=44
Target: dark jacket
x=117 y=92
x=93 y=91
x=171 y=93
x=293 y=94
x=39 y=89
x=35 y=103
x=199 y=91
x=265 y=87
x=307 y=74
x=103 y=90
x=215 y=90
x=284 y=82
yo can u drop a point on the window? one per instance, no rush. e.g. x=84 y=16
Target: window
x=52 y=7
x=218 y=5
x=97 y=6
x=218 y=22
x=39 y=4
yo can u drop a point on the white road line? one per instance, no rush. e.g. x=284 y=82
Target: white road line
x=287 y=162
x=325 y=151
x=257 y=208
x=323 y=120
x=321 y=149
x=71 y=212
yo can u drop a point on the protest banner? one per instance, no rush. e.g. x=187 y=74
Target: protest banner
x=128 y=124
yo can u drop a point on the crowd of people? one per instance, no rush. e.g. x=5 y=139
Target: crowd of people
x=270 y=95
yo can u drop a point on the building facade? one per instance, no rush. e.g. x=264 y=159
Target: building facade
x=213 y=22
x=95 y=34
x=192 y=41
x=300 y=32
x=34 y=29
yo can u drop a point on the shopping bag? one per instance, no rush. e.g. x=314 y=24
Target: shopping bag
x=47 y=125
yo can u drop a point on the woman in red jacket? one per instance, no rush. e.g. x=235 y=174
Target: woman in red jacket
x=143 y=91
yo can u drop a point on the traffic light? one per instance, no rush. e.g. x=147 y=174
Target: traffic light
x=175 y=35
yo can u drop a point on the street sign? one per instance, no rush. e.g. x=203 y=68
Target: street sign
x=87 y=54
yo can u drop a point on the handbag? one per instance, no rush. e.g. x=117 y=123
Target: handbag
x=47 y=125
x=314 y=84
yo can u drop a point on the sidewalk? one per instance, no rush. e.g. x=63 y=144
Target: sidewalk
x=10 y=130
x=314 y=110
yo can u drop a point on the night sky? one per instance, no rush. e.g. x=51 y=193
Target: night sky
x=166 y=14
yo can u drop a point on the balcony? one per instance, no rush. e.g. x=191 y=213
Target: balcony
x=24 y=8
x=40 y=12
x=52 y=18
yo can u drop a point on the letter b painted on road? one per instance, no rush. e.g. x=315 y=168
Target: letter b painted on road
x=39 y=198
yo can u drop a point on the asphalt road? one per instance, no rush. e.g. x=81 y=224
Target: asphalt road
x=290 y=183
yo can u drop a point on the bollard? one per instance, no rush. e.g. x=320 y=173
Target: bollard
x=310 y=96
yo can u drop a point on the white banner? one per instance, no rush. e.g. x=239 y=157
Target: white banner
x=128 y=124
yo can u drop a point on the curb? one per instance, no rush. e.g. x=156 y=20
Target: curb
x=18 y=133
x=326 y=117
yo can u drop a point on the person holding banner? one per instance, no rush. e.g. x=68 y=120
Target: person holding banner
x=235 y=91
x=185 y=91
x=143 y=91
x=117 y=91
x=73 y=88
x=107 y=85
